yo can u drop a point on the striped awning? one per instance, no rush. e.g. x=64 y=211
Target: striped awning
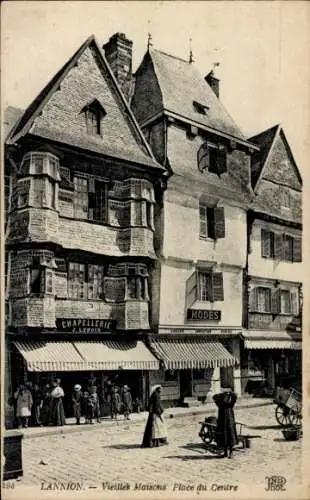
x=115 y=355
x=86 y=356
x=258 y=339
x=50 y=356
x=192 y=353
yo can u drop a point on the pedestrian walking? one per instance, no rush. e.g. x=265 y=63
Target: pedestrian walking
x=155 y=433
x=37 y=403
x=115 y=403
x=77 y=397
x=24 y=403
x=85 y=407
x=57 y=408
x=127 y=402
x=226 y=425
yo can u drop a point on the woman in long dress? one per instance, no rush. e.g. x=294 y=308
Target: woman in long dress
x=155 y=433
x=226 y=426
x=23 y=406
x=58 y=413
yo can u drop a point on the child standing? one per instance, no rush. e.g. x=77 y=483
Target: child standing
x=127 y=402
x=115 y=403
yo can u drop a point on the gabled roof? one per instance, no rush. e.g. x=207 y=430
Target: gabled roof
x=266 y=141
x=127 y=143
x=181 y=85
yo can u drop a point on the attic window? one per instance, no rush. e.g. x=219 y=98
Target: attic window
x=200 y=108
x=94 y=113
x=212 y=158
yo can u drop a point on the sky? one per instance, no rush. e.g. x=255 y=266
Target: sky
x=263 y=49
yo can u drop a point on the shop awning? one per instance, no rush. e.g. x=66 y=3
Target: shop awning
x=116 y=355
x=192 y=353
x=50 y=356
x=86 y=356
x=258 y=339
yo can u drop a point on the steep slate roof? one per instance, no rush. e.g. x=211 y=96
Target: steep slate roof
x=122 y=137
x=266 y=141
x=11 y=116
x=181 y=84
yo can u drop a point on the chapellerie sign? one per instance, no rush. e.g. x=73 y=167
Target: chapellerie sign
x=85 y=325
x=203 y=315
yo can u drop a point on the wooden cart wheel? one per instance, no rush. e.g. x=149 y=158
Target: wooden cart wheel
x=294 y=417
x=207 y=438
x=282 y=415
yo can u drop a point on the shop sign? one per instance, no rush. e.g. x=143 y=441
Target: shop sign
x=203 y=315
x=85 y=325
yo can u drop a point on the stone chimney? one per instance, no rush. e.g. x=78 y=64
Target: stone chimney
x=118 y=52
x=214 y=83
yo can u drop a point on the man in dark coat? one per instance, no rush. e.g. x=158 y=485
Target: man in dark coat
x=226 y=426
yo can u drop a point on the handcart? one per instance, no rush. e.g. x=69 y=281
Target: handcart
x=210 y=435
x=288 y=411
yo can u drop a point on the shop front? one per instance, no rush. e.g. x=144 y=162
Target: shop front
x=105 y=362
x=190 y=368
x=268 y=358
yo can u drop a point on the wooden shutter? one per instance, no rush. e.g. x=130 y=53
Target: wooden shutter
x=253 y=300
x=278 y=246
x=191 y=289
x=221 y=160
x=91 y=185
x=203 y=158
x=296 y=249
x=217 y=287
x=265 y=243
x=275 y=302
x=219 y=222
x=294 y=302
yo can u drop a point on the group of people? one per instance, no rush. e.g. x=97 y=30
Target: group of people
x=44 y=406
x=155 y=433
x=87 y=403
x=39 y=406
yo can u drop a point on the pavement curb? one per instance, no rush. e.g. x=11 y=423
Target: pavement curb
x=70 y=429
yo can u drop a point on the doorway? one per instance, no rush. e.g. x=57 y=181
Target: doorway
x=227 y=377
x=186 y=386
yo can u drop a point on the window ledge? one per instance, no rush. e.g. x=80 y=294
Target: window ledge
x=207 y=238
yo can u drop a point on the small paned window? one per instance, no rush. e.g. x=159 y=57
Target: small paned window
x=285 y=302
x=212 y=158
x=263 y=299
x=210 y=286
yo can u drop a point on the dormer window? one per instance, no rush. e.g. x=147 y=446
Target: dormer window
x=94 y=113
x=200 y=108
x=212 y=158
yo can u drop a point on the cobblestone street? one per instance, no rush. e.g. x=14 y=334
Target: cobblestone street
x=113 y=454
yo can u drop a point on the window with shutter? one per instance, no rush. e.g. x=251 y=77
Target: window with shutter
x=191 y=289
x=221 y=160
x=210 y=287
x=203 y=157
x=275 y=302
x=253 y=300
x=288 y=247
x=217 y=287
x=278 y=246
x=219 y=222
x=213 y=159
x=297 y=250
x=267 y=243
x=203 y=219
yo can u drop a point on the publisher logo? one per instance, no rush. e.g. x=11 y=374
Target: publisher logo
x=275 y=483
